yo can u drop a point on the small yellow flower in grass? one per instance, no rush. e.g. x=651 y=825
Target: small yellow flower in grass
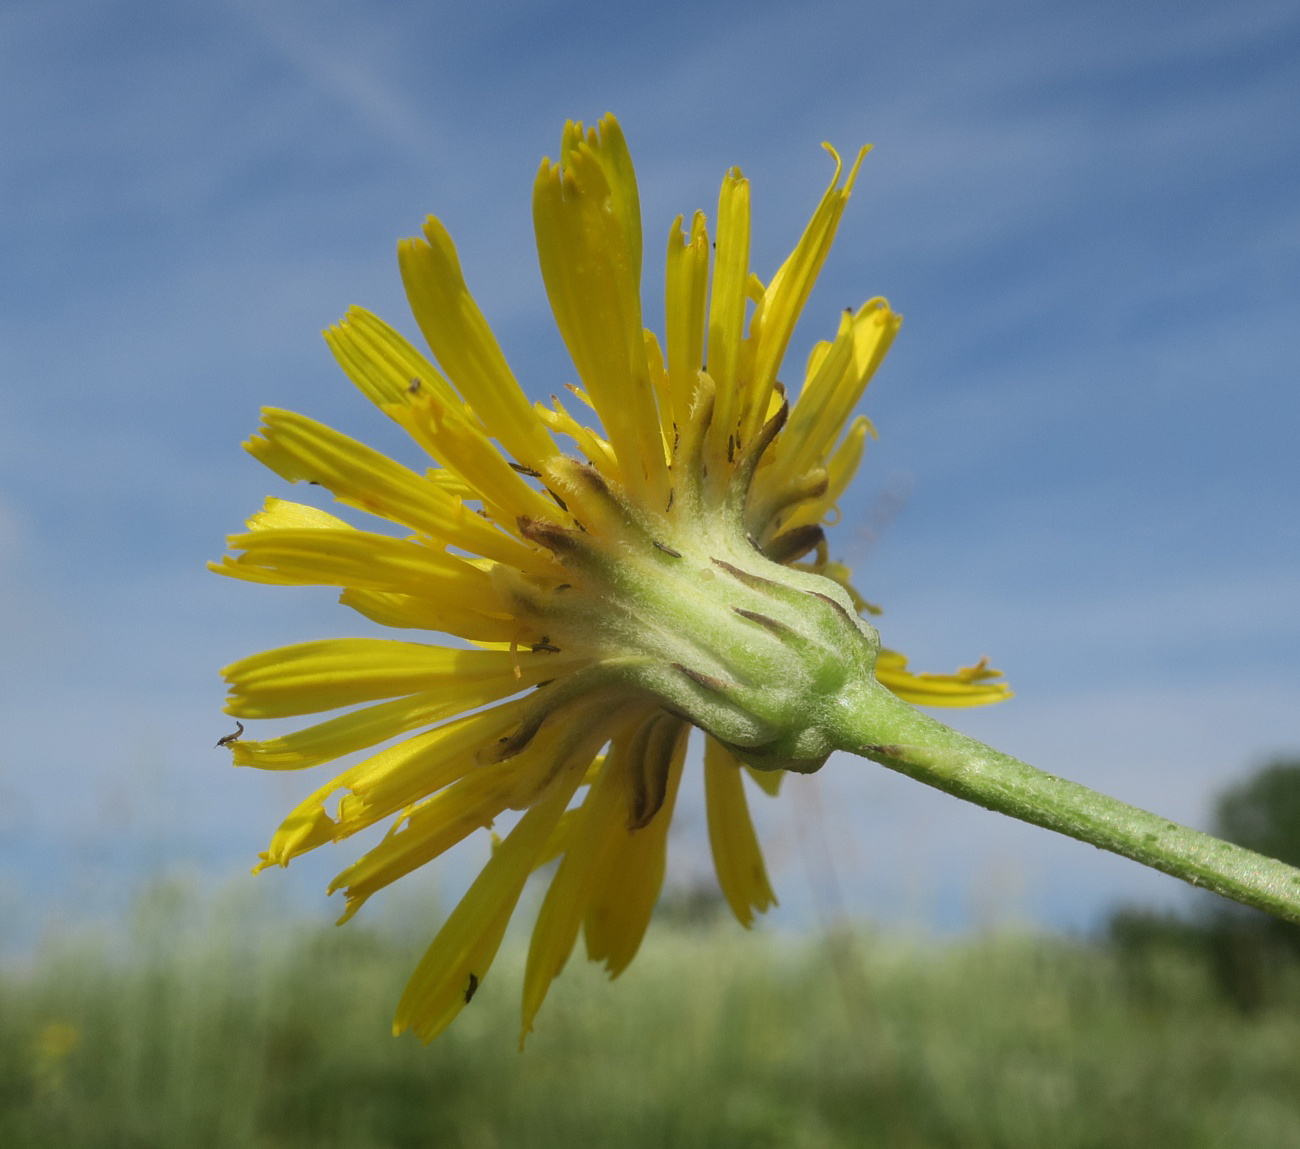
x=52 y=1045
x=56 y=1040
x=613 y=585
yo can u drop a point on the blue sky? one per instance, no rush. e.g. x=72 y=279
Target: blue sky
x=1087 y=214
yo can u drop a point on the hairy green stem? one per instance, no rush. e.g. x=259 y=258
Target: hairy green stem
x=877 y=725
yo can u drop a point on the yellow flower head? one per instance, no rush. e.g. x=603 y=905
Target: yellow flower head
x=56 y=1040
x=613 y=585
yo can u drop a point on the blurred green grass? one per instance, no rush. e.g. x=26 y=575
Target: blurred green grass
x=207 y=1029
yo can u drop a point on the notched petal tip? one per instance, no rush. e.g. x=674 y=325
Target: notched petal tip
x=839 y=166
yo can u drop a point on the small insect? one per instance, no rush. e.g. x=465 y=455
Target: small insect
x=229 y=738
x=667 y=549
x=415 y=385
x=545 y=645
x=471 y=989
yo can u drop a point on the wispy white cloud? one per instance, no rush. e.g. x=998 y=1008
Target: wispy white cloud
x=354 y=63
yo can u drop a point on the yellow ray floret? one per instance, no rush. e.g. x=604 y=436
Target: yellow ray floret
x=589 y=249
x=623 y=894
x=298 y=448
x=686 y=295
x=783 y=301
x=727 y=306
x=313 y=676
x=736 y=854
x=455 y=964
x=411 y=390
x=473 y=801
x=976 y=685
x=464 y=344
x=592 y=834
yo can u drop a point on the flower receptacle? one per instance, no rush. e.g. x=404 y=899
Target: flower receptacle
x=756 y=653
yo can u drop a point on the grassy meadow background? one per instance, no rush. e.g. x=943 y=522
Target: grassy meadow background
x=205 y=1019
x=213 y=1025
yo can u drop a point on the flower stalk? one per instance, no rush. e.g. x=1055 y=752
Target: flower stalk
x=879 y=726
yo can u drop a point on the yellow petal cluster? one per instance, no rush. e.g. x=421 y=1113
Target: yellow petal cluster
x=512 y=542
